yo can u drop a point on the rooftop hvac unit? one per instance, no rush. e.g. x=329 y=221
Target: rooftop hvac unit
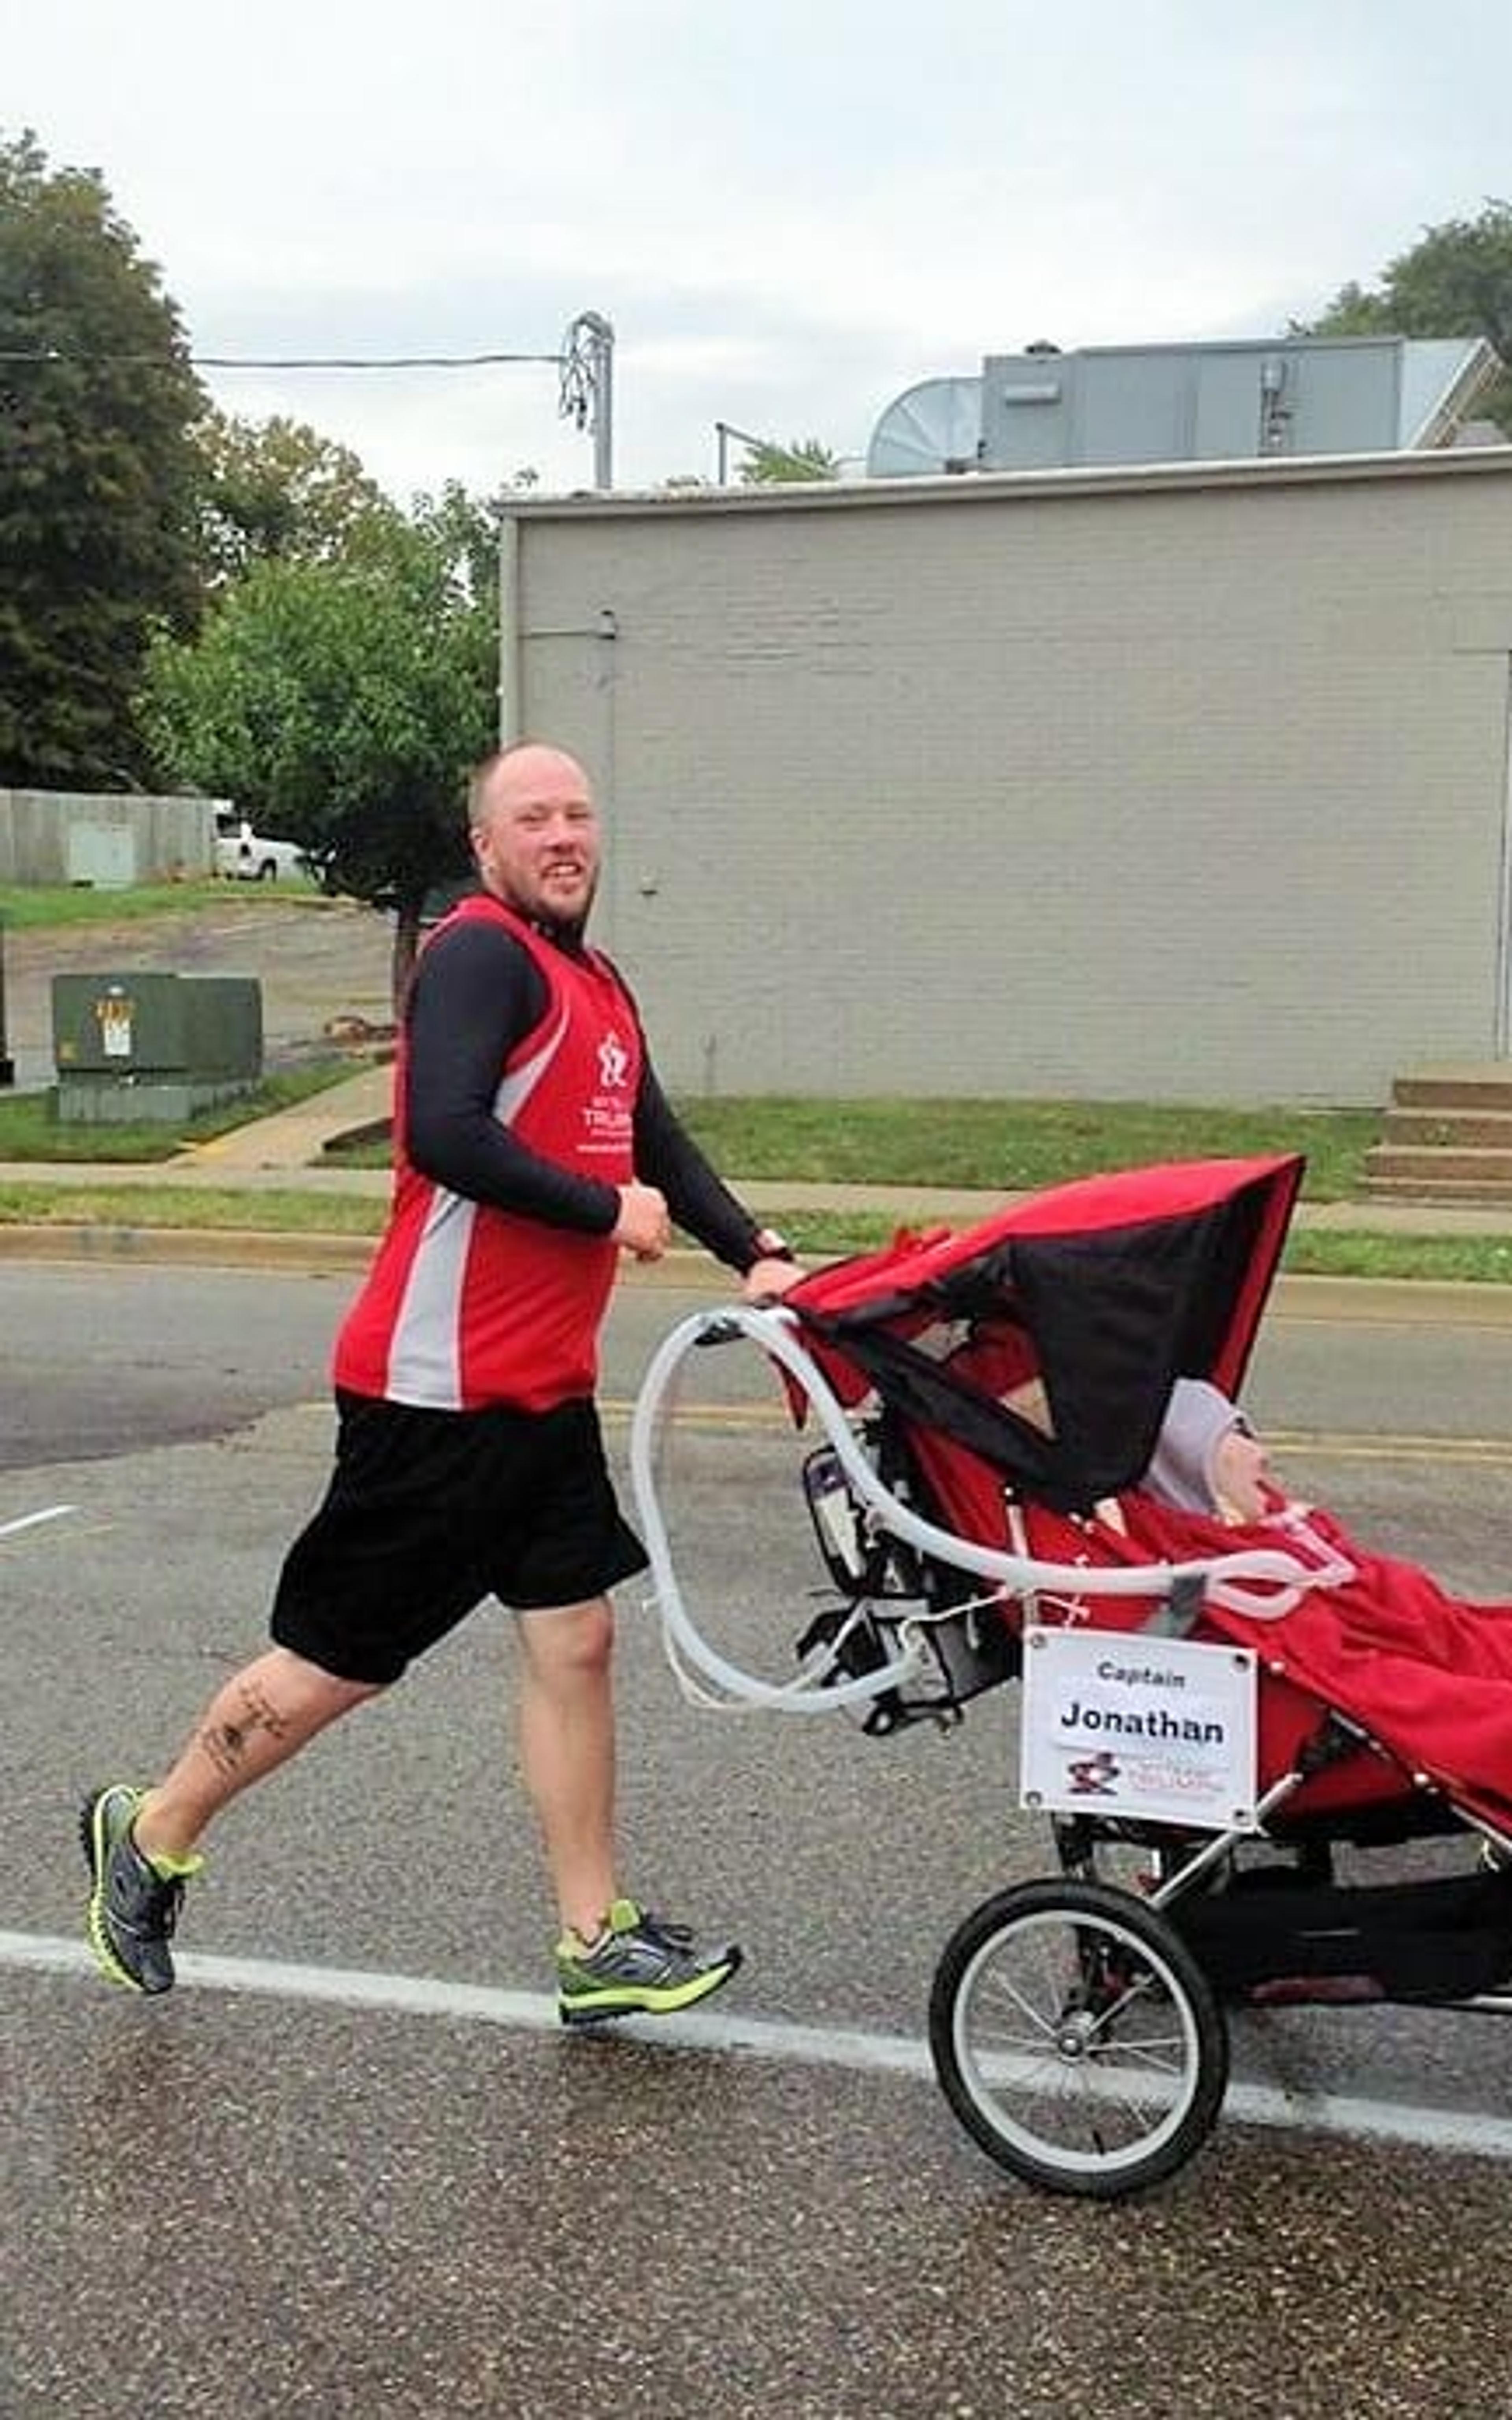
x=932 y=427
x=1111 y=405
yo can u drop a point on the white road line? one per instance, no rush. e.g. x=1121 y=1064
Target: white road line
x=417 y=1995
x=29 y=1520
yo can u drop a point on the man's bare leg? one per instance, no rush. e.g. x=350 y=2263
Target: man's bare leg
x=567 y=1753
x=261 y=1718
x=642 y=1965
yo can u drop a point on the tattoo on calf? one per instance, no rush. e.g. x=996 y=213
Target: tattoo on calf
x=258 y=1713
x=226 y=1743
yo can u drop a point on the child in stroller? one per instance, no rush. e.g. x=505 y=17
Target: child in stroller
x=1021 y=1425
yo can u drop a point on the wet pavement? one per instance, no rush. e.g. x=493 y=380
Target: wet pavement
x=413 y=2194
x=214 y=2212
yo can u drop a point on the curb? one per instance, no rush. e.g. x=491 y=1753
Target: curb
x=249 y=1249
x=1408 y=1302
x=228 y=1248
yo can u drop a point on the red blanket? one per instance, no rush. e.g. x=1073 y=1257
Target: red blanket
x=1428 y=1673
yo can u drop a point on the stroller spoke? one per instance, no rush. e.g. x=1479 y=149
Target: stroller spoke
x=1042 y=2021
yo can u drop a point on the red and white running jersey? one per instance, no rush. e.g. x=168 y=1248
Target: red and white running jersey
x=465 y=1305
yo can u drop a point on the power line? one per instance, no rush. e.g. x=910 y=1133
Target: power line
x=395 y=362
x=290 y=362
x=584 y=361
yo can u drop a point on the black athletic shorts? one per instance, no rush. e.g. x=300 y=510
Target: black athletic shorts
x=427 y=1512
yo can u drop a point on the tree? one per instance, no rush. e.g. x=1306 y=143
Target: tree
x=340 y=705
x=461 y=535
x=770 y=466
x=97 y=476
x=1456 y=282
x=277 y=489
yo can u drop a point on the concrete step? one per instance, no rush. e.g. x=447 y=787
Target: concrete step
x=1438 y=1176
x=1446 y=1136
x=1483 y=1085
x=1442 y=1128
x=1442 y=1195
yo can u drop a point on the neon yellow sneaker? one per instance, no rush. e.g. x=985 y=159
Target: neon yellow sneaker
x=640 y=1965
x=133 y=1906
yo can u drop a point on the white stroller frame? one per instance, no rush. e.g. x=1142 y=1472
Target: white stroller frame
x=1261 y=1583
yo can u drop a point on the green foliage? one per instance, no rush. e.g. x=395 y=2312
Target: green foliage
x=1456 y=282
x=341 y=703
x=277 y=490
x=776 y=466
x=460 y=533
x=97 y=480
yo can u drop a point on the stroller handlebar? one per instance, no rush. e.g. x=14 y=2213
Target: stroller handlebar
x=1261 y=1583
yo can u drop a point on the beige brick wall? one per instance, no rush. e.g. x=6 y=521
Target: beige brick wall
x=1190 y=785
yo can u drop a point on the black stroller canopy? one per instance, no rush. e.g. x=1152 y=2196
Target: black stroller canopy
x=1104 y=1291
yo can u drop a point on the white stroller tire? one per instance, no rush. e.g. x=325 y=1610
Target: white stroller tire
x=1077 y=2039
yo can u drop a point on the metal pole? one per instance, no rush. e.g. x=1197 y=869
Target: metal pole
x=7 y=1065
x=510 y=699
x=589 y=387
x=603 y=402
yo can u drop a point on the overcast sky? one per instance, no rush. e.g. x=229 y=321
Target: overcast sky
x=790 y=210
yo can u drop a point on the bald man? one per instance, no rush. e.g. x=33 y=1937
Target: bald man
x=533 y=1145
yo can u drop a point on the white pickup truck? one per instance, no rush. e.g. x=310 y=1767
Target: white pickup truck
x=247 y=856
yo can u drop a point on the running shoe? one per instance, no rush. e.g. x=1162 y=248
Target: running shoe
x=132 y=1907
x=640 y=1965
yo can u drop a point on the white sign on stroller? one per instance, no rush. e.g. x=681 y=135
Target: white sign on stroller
x=1119 y=1723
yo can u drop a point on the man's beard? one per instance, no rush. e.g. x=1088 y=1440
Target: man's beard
x=561 y=929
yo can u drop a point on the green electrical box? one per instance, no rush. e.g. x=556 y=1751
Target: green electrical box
x=132 y=1046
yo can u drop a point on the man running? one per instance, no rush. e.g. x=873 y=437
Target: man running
x=533 y=1144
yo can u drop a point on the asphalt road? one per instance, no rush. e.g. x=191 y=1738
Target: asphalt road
x=353 y=2168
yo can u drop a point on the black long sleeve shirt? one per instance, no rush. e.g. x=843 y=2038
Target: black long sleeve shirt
x=476 y=994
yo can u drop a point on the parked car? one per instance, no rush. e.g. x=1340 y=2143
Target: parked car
x=248 y=856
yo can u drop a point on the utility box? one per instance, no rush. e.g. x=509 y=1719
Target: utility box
x=135 y=1046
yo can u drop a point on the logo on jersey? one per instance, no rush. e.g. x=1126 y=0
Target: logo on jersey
x=613 y=1063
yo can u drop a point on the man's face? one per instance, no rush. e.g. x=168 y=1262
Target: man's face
x=536 y=837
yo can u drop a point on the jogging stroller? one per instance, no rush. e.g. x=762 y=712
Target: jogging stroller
x=1205 y=1721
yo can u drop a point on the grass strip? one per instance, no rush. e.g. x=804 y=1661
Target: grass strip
x=1477 y=1260
x=29 y=907
x=184 y=1206
x=1005 y=1146
x=29 y=1130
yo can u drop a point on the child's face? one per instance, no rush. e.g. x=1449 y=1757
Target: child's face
x=1239 y=1476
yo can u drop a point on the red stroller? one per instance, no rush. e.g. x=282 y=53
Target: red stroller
x=1222 y=1715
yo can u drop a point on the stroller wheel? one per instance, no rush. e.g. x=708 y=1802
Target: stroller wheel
x=1077 y=2039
